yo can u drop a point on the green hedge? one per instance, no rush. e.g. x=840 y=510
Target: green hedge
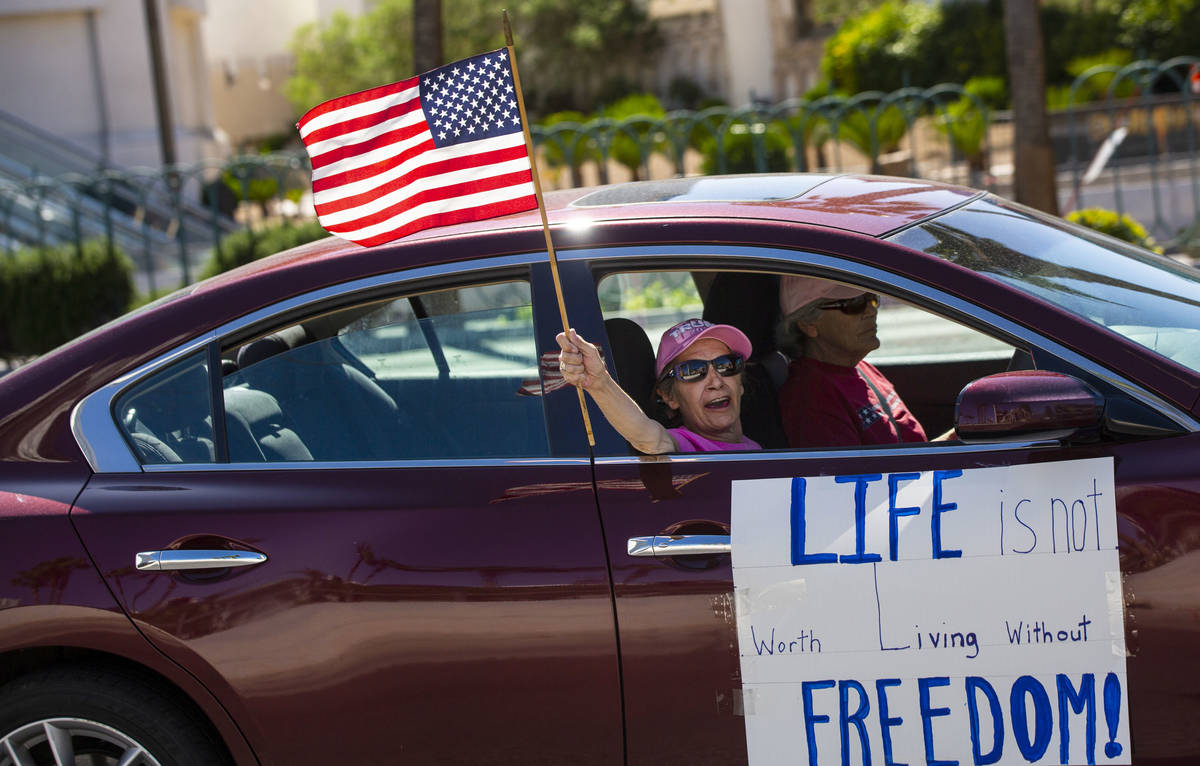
x=1122 y=226
x=49 y=296
x=242 y=247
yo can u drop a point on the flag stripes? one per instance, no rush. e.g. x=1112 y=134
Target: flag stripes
x=444 y=147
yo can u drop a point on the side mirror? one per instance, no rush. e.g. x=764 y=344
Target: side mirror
x=1028 y=405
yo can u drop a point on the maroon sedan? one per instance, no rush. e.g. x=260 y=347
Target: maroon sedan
x=338 y=507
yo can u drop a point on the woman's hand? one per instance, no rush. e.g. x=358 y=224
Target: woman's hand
x=581 y=365
x=580 y=362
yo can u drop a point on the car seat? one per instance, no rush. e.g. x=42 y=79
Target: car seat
x=750 y=302
x=631 y=358
x=257 y=430
x=338 y=411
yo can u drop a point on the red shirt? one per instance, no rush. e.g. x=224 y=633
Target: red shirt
x=828 y=405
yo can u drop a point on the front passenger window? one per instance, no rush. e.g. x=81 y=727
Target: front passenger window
x=445 y=374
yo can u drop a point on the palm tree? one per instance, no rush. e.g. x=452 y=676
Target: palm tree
x=1033 y=163
x=427 y=35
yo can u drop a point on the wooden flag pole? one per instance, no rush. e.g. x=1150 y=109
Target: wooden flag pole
x=537 y=191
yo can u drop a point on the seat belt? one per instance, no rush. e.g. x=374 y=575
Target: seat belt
x=887 y=408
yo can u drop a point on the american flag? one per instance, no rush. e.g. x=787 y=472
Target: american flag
x=440 y=148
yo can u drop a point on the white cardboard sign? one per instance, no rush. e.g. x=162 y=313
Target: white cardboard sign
x=934 y=617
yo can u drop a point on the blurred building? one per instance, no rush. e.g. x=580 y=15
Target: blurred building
x=737 y=50
x=83 y=71
x=248 y=61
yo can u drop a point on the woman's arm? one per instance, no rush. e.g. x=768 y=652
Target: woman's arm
x=582 y=366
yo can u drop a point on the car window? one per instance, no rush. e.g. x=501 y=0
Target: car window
x=910 y=335
x=167 y=418
x=447 y=374
x=656 y=300
x=924 y=358
x=1147 y=298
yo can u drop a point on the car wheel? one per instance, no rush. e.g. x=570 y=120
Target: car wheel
x=82 y=715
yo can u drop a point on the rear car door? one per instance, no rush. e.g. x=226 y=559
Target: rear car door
x=685 y=629
x=378 y=554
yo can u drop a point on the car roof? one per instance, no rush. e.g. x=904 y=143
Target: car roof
x=873 y=206
x=762 y=208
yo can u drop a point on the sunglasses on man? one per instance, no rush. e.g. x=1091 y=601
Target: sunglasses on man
x=726 y=365
x=855 y=305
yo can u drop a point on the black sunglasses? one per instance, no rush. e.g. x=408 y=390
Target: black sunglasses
x=855 y=305
x=726 y=365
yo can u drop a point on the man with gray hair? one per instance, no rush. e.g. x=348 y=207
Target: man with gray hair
x=832 y=398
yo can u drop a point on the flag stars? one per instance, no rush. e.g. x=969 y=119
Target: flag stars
x=471 y=99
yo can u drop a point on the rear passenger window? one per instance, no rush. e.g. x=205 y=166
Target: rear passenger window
x=167 y=418
x=447 y=374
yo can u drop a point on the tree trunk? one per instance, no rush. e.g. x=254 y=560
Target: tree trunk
x=1033 y=163
x=427 y=35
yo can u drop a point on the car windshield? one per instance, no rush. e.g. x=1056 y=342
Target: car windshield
x=1147 y=298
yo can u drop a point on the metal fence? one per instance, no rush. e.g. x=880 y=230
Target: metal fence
x=1134 y=151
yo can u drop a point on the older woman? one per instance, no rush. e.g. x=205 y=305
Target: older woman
x=698 y=372
x=831 y=397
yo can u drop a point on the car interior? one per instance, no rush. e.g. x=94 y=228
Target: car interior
x=928 y=381
x=433 y=376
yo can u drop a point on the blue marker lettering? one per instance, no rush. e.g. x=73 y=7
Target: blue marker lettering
x=928 y=713
x=860 y=517
x=976 y=684
x=1033 y=534
x=1031 y=749
x=798 y=530
x=894 y=512
x=855 y=718
x=886 y=722
x=938 y=509
x=811 y=719
x=1079 y=701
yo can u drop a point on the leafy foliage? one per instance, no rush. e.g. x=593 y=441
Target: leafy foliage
x=575 y=55
x=566 y=50
x=855 y=128
x=1096 y=87
x=876 y=50
x=565 y=145
x=625 y=147
x=1156 y=29
x=658 y=295
x=48 y=297
x=967 y=42
x=242 y=247
x=741 y=153
x=1121 y=226
x=965 y=124
x=899 y=43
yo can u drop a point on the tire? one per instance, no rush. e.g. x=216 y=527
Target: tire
x=100 y=716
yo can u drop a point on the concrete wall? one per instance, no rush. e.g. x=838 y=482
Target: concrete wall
x=748 y=50
x=81 y=69
x=249 y=59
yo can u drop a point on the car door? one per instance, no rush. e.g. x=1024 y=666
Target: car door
x=685 y=632
x=378 y=555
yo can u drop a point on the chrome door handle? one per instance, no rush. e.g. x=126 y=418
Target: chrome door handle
x=663 y=546
x=176 y=560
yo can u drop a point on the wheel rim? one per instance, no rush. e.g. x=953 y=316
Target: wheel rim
x=72 y=742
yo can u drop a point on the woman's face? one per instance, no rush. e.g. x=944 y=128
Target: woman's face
x=840 y=338
x=711 y=406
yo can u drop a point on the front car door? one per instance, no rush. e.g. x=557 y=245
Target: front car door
x=378 y=555
x=686 y=636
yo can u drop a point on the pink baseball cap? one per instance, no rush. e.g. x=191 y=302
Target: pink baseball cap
x=797 y=292
x=680 y=338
